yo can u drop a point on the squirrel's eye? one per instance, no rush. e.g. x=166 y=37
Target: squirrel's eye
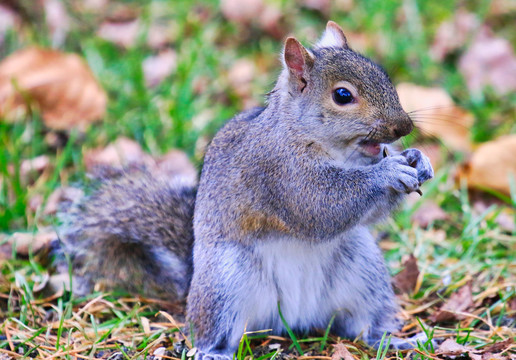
x=342 y=96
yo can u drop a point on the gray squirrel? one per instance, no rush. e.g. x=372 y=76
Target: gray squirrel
x=280 y=214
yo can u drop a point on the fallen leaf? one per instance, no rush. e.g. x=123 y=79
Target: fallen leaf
x=37 y=164
x=512 y=306
x=505 y=217
x=459 y=301
x=60 y=84
x=452 y=35
x=502 y=7
x=428 y=213
x=122 y=33
x=158 y=67
x=270 y=21
x=241 y=11
x=159 y=353
x=161 y=35
x=122 y=153
x=57 y=20
x=8 y=20
x=499 y=346
x=25 y=242
x=176 y=163
x=491 y=165
x=240 y=77
x=323 y=6
x=341 y=352
x=94 y=5
x=489 y=61
x=435 y=114
x=451 y=348
x=60 y=196
x=405 y=281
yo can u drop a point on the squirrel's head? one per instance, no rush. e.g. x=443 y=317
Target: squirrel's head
x=339 y=95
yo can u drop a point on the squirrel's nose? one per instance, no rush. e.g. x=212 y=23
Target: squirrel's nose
x=405 y=127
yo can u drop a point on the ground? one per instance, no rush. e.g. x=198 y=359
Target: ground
x=155 y=76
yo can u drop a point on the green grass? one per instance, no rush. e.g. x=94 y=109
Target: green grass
x=469 y=246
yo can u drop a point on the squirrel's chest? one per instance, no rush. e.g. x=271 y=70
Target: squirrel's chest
x=308 y=281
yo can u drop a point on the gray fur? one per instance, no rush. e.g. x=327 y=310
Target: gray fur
x=285 y=199
x=134 y=232
x=288 y=187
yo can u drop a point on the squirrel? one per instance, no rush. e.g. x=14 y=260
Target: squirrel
x=281 y=214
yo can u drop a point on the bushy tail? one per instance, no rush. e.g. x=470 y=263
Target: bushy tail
x=134 y=233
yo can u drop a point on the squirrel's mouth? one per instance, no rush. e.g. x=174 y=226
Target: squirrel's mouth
x=370 y=148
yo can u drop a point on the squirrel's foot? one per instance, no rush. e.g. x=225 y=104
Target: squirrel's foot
x=201 y=355
x=421 y=163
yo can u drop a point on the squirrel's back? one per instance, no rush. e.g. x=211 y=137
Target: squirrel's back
x=134 y=232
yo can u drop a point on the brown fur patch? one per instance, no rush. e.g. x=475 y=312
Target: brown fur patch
x=254 y=221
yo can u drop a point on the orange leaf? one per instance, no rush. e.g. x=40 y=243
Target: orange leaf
x=491 y=164
x=459 y=301
x=60 y=85
x=436 y=115
x=405 y=281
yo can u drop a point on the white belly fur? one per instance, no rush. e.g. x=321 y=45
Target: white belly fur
x=309 y=283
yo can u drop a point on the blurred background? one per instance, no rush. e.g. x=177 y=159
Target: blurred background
x=151 y=76
x=91 y=87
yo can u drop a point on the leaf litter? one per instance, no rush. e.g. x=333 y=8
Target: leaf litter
x=104 y=326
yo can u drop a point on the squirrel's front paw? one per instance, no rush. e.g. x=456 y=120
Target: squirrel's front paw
x=421 y=163
x=400 y=175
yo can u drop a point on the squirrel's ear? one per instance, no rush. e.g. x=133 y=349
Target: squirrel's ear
x=298 y=60
x=333 y=36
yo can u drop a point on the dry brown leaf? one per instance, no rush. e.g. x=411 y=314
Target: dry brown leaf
x=8 y=20
x=405 y=281
x=428 y=213
x=159 y=353
x=341 y=352
x=270 y=21
x=95 y=5
x=491 y=165
x=37 y=164
x=452 y=35
x=499 y=346
x=240 y=77
x=60 y=84
x=122 y=33
x=436 y=115
x=459 y=301
x=505 y=218
x=502 y=7
x=122 y=153
x=24 y=242
x=489 y=61
x=176 y=163
x=323 y=6
x=241 y=11
x=161 y=35
x=451 y=348
x=158 y=67
x=57 y=20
